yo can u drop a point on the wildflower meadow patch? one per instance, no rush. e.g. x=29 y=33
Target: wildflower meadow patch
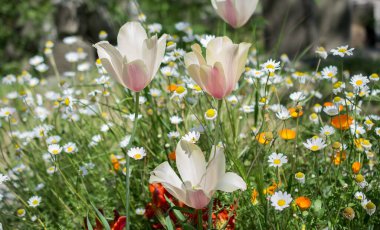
x=195 y=131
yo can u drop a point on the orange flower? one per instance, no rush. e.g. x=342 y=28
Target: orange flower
x=342 y=122
x=264 y=138
x=172 y=156
x=115 y=162
x=303 y=202
x=287 y=134
x=339 y=157
x=356 y=167
x=296 y=112
x=271 y=189
x=254 y=197
x=172 y=87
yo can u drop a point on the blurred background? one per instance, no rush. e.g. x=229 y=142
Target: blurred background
x=294 y=27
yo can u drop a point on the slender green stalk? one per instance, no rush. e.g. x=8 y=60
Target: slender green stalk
x=217 y=132
x=127 y=182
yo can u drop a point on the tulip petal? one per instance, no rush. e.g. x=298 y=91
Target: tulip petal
x=190 y=162
x=245 y=9
x=216 y=168
x=165 y=175
x=196 y=199
x=231 y=182
x=130 y=40
x=215 y=51
x=153 y=53
x=214 y=80
x=135 y=75
x=111 y=59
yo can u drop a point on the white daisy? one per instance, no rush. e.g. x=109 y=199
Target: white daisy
x=70 y=147
x=281 y=200
x=297 y=96
x=6 y=112
x=211 y=114
x=329 y=72
x=137 y=153
x=270 y=66
x=277 y=159
x=192 y=137
x=322 y=53
x=53 y=140
x=342 y=51
x=3 y=178
x=140 y=211
x=34 y=201
x=175 y=120
x=331 y=110
x=327 y=130
x=300 y=177
x=283 y=114
x=315 y=144
x=54 y=149
x=173 y=135
x=360 y=196
x=359 y=81
x=369 y=206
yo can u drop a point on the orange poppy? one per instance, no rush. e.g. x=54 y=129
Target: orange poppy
x=264 y=138
x=342 y=122
x=356 y=167
x=296 y=112
x=303 y=202
x=287 y=134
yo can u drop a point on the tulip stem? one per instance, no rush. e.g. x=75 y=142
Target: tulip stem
x=217 y=136
x=127 y=184
x=199 y=225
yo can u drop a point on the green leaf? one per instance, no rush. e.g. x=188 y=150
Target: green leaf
x=168 y=223
x=89 y=226
x=177 y=213
x=101 y=218
x=188 y=227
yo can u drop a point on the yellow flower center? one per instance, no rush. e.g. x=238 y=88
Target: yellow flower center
x=55 y=151
x=67 y=101
x=337 y=84
x=7 y=113
x=138 y=156
x=330 y=74
x=281 y=202
x=370 y=205
x=210 y=113
x=299 y=175
x=197 y=88
x=359 y=178
x=20 y=211
x=270 y=66
x=277 y=161
x=314 y=148
x=170 y=43
x=359 y=82
x=70 y=149
x=314 y=116
x=342 y=50
x=35 y=202
x=180 y=89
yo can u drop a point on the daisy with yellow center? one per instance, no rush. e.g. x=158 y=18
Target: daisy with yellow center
x=359 y=81
x=55 y=149
x=281 y=200
x=277 y=159
x=34 y=201
x=270 y=66
x=315 y=144
x=342 y=51
x=300 y=177
x=211 y=114
x=20 y=212
x=137 y=153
